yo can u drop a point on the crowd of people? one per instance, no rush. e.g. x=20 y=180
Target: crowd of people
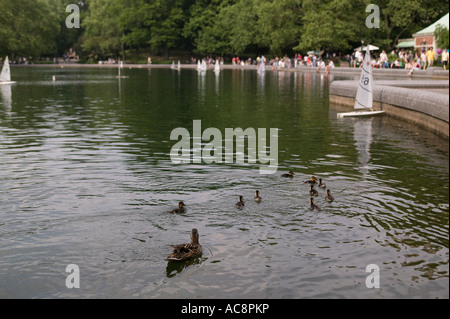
x=397 y=59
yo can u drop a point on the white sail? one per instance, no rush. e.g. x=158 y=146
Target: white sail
x=5 y=75
x=199 y=65
x=364 y=95
x=203 y=65
x=179 y=65
x=173 y=65
x=217 y=67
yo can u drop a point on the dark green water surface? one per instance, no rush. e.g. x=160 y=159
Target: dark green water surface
x=86 y=178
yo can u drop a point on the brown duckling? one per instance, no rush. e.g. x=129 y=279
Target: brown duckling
x=257 y=197
x=329 y=198
x=313 y=180
x=240 y=203
x=178 y=210
x=185 y=252
x=322 y=185
x=313 y=206
x=290 y=174
x=313 y=191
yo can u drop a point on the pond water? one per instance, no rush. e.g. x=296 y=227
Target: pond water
x=86 y=178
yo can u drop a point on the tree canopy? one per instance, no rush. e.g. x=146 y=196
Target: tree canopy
x=207 y=27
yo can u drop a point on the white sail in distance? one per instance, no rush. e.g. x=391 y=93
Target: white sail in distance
x=5 y=75
x=364 y=95
x=217 y=66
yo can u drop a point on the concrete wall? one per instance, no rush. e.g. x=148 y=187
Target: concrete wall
x=416 y=103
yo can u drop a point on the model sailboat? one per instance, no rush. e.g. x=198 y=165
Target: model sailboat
x=5 y=75
x=119 y=76
x=217 y=66
x=364 y=95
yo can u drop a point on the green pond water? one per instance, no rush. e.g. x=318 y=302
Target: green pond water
x=86 y=178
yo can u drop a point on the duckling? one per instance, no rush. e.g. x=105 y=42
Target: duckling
x=240 y=203
x=257 y=197
x=178 y=210
x=313 y=206
x=329 y=198
x=313 y=180
x=321 y=184
x=185 y=252
x=313 y=192
x=290 y=174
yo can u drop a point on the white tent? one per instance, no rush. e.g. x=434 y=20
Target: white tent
x=371 y=48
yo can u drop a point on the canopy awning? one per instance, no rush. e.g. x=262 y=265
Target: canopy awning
x=405 y=44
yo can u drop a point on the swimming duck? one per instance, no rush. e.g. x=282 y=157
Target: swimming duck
x=185 y=252
x=240 y=203
x=290 y=174
x=178 y=210
x=257 y=197
x=313 y=206
x=313 y=180
x=321 y=184
x=313 y=192
x=329 y=197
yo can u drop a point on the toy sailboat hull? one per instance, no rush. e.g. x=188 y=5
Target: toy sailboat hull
x=359 y=113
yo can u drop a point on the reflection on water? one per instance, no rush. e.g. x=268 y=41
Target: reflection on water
x=5 y=92
x=86 y=179
x=363 y=139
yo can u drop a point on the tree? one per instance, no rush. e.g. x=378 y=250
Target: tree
x=22 y=36
x=103 y=34
x=401 y=18
x=205 y=29
x=332 y=24
x=165 y=20
x=279 y=24
x=442 y=35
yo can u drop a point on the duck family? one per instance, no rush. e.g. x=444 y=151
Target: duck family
x=184 y=252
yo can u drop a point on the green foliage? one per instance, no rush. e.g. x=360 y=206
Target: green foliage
x=442 y=35
x=28 y=27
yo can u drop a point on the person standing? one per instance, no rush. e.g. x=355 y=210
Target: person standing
x=423 y=59
x=384 y=59
x=444 y=58
x=430 y=57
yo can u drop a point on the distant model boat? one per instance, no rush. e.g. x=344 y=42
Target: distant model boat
x=179 y=65
x=204 y=67
x=364 y=95
x=120 y=64
x=217 y=66
x=199 y=66
x=5 y=75
x=173 y=65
